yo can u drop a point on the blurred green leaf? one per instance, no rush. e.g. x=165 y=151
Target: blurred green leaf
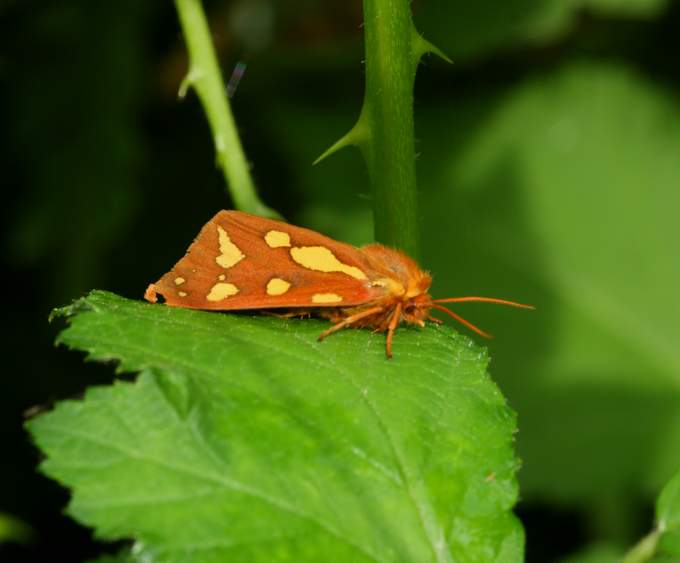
x=245 y=439
x=123 y=556
x=12 y=529
x=662 y=544
x=668 y=505
x=563 y=193
x=668 y=518
x=473 y=29
x=599 y=553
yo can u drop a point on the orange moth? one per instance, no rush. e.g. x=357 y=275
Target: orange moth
x=241 y=261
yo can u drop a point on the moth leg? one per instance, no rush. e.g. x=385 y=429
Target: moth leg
x=394 y=322
x=382 y=324
x=288 y=315
x=435 y=320
x=349 y=320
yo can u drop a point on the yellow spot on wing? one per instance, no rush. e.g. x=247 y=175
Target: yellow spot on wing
x=321 y=259
x=179 y=280
x=221 y=291
x=277 y=286
x=230 y=254
x=182 y=293
x=221 y=277
x=326 y=298
x=277 y=239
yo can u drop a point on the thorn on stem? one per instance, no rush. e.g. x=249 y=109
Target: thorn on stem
x=187 y=82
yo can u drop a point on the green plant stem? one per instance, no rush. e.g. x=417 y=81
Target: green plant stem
x=388 y=111
x=384 y=131
x=205 y=77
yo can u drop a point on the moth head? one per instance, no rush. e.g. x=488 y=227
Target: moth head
x=415 y=310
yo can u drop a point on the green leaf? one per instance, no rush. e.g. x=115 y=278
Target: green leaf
x=662 y=544
x=668 y=505
x=668 y=517
x=244 y=439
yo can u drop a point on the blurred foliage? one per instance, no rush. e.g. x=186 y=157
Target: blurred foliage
x=567 y=191
x=14 y=530
x=597 y=553
x=662 y=544
x=76 y=138
x=547 y=169
x=668 y=518
x=472 y=30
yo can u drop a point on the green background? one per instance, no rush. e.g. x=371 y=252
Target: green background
x=548 y=173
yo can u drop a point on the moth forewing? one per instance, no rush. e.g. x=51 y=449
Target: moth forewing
x=241 y=261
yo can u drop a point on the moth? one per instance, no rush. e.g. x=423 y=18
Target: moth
x=244 y=262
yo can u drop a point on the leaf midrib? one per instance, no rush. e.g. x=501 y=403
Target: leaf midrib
x=229 y=484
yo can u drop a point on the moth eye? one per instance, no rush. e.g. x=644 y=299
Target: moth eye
x=410 y=309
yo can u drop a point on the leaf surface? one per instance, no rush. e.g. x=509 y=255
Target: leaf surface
x=244 y=439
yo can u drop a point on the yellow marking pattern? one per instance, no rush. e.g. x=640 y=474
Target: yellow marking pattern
x=277 y=239
x=277 y=286
x=221 y=291
x=179 y=280
x=326 y=298
x=230 y=254
x=221 y=277
x=182 y=293
x=321 y=259
x=394 y=287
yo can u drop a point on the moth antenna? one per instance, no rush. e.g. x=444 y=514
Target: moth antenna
x=462 y=320
x=483 y=300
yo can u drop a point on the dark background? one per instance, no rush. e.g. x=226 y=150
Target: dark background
x=107 y=177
